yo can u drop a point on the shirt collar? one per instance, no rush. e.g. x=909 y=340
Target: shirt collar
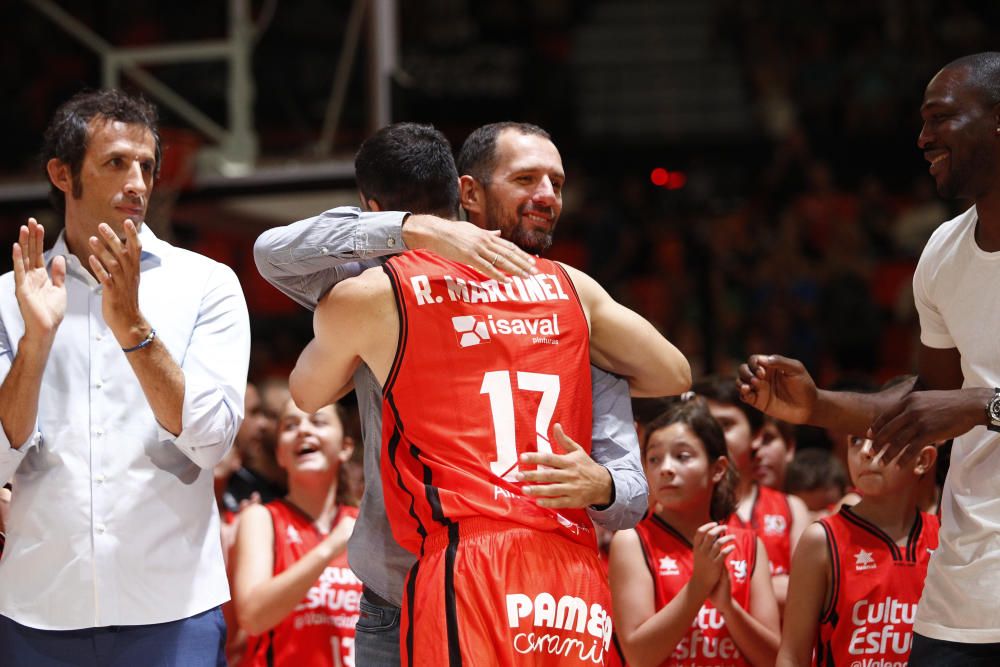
x=152 y=247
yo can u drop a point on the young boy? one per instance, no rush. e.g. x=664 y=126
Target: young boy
x=778 y=519
x=857 y=575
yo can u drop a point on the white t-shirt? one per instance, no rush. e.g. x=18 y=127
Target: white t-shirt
x=956 y=291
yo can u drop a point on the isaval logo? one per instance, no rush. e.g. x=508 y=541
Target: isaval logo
x=471 y=330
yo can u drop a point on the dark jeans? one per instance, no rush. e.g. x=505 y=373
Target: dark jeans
x=929 y=652
x=198 y=641
x=376 y=637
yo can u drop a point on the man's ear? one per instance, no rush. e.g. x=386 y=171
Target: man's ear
x=471 y=194
x=60 y=175
x=368 y=204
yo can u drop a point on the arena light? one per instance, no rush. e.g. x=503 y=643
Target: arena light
x=671 y=180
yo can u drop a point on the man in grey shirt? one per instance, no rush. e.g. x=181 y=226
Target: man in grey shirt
x=305 y=259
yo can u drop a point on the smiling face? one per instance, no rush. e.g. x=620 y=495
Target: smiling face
x=524 y=196
x=311 y=443
x=959 y=136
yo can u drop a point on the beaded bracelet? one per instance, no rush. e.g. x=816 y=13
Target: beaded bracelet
x=145 y=342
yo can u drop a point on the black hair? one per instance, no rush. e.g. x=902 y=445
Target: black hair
x=815 y=468
x=694 y=413
x=478 y=157
x=68 y=134
x=983 y=74
x=723 y=390
x=408 y=167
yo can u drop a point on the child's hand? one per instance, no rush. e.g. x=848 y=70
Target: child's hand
x=711 y=545
x=721 y=596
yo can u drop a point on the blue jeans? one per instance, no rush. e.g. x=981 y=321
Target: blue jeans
x=376 y=636
x=927 y=652
x=198 y=641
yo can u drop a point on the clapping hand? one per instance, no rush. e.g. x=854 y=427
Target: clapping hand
x=41 y=297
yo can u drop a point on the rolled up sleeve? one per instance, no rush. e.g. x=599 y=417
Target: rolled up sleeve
x=10 y=456
x=615 y=445
x=215 y=373
x=306 y=258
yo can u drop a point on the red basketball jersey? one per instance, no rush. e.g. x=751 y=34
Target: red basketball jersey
x=771 y=519
x=482 y=372
x=671 y=562
x=320 y=630
x=876 y=585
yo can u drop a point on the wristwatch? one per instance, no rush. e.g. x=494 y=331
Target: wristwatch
x=993 y=412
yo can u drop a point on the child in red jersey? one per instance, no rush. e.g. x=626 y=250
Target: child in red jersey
x=687 y=590
x=857 y=575
x=777 y=518
x=294 y=591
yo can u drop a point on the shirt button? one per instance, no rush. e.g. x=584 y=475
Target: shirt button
x=99 y=337
x=323 y=251
x=99 y=384
x=99 y=432
x=99 y=478
x=99 y=528
x=391 y=242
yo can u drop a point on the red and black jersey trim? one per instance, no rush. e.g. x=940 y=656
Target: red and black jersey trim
x=579 y=301
x=663 y=525
x=828 y=614
x=450 y=602
x=651 y=565
x=411 y=587
x=397 y=359
x=393 y=449
x=897 y=554
x=914 y=538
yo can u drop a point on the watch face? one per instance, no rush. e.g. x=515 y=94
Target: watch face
x=994 y=408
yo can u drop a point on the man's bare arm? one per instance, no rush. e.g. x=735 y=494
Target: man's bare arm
x=931 y=407
x=783 y=388
x=355 y=322
x=625 y=343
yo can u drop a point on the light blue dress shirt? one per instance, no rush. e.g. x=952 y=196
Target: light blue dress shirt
x=113 y=518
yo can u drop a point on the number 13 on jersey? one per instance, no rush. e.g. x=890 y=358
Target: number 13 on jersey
x=499 y=387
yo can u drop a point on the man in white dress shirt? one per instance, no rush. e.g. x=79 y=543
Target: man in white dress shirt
x=123 y=363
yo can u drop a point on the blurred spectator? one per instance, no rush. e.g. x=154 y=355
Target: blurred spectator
x=817 y=477
x=914 y=225
x=258 y=477
x=773 y=448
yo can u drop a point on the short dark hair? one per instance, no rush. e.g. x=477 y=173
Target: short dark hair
x=478 y=157
x=408 y=167
x=68 y=134
x=984 y=74
x=815 y=468
x=723 y=389
x=693 y=412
